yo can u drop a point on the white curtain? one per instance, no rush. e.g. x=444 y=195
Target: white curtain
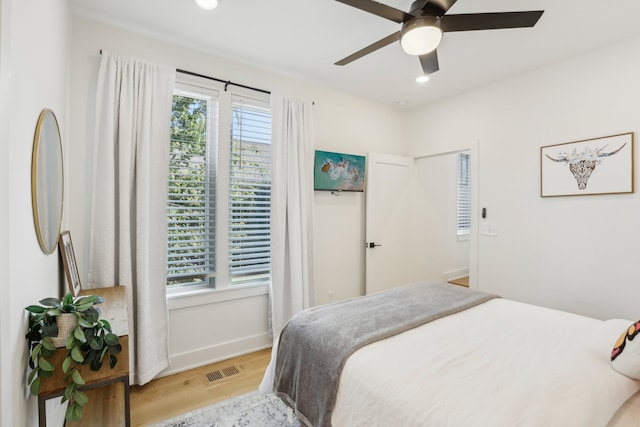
x=291 y=209
x=128 y=241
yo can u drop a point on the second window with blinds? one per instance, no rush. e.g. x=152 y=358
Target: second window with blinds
x=219 y=188
x=463 y=214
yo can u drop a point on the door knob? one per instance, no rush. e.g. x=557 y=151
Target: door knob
x=371 y=245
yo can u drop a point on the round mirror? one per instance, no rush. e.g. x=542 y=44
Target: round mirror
x=47 y=181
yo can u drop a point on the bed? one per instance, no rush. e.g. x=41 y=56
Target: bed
x=494 y=362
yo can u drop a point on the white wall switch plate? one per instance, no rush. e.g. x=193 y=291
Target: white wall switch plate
x=488 y=229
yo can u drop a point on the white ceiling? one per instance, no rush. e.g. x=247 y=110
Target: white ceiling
x=303 y=38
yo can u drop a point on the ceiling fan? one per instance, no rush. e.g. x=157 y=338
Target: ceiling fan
x=423 y=26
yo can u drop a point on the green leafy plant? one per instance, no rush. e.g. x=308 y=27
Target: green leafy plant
x=90 y=343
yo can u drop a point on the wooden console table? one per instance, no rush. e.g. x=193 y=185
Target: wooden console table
x=114 y=310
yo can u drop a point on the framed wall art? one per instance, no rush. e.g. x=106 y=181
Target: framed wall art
x=69 y=262
x=591 y=166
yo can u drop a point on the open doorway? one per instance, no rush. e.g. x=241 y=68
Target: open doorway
x=444 y=240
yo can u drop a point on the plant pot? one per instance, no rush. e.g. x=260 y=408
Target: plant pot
x=66 y=324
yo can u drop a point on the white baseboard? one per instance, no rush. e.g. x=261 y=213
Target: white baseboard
x=455 y=274
x=206 y=355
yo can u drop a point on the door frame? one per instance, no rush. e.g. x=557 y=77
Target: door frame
x=473 y=148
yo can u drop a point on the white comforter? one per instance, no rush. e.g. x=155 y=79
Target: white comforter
x=501 y=363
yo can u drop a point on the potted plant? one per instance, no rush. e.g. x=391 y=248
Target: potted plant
x=89 y=342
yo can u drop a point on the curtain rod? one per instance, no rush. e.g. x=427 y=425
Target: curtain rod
x=226 y=82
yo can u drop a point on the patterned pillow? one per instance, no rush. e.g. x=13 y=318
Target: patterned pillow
x=625 y=357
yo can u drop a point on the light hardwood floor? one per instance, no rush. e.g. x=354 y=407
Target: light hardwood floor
x=176 y=394
x=183 y=392
x=461 y=281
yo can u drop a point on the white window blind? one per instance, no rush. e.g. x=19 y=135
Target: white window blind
x=464 y=194
x=192 y=189
x=250 y=192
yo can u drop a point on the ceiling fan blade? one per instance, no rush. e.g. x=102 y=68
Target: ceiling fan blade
x=437 y=7
x=429 y=62
x=382 y=10
x=371 y=48
x=489 y=21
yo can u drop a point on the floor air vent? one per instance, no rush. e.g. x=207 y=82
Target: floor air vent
x=221 y=374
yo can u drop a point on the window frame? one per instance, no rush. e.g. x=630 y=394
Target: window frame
x=192 y=84
x=190 y=88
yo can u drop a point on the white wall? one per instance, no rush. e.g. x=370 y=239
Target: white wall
x=6 y=379
x=34 y=42
x=572 y=253
x=437 y=252
x=235 y=322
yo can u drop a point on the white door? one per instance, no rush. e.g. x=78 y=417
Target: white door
x=387 y=222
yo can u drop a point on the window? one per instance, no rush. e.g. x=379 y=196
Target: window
x=250 y=188
x=219 y=190
x=192 y=196
x=464 y=195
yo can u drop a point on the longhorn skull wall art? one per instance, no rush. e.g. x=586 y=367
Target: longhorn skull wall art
x=582 y=163
x=566 y=169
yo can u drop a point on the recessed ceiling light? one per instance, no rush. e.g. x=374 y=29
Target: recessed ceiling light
x=422 y=79
x=207 y=4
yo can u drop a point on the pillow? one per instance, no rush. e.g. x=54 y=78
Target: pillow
x=625 y=356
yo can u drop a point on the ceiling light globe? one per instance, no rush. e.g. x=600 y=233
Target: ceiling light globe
x=422 y=79
x=207 y=4
x=420 y=35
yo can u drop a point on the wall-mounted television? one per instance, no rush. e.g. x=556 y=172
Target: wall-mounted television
x=338 y=172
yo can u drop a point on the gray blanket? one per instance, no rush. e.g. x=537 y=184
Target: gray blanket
x=316 y=343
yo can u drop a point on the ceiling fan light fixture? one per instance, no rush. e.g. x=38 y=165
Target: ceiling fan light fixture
x=420 y=35
x=207 y=4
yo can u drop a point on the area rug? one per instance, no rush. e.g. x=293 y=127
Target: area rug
x=248 y=410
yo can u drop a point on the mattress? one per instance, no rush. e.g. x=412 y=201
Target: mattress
x=501 y=363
